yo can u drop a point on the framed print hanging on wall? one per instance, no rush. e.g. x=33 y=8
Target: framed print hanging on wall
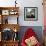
x=30 y=13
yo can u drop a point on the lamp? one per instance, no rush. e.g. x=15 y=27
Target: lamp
x=15 y=3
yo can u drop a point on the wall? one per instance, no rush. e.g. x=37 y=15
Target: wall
x=31 y=3
x=26 y=3
x=37 y=29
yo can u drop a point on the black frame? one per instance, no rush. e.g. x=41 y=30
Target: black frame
x=35 y=13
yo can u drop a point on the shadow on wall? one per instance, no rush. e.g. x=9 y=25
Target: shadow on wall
x=37 y=29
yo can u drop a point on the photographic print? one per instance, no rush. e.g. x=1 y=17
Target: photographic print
x=5 y=12
x=30 y=13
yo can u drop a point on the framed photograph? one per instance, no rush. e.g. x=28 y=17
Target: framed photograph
x=13 y=12
x=30 y=13
x=5 y=12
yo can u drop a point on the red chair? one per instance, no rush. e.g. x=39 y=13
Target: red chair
x=29 y=33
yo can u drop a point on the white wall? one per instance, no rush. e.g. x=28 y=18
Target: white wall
x=31 y=3
x=26 y=3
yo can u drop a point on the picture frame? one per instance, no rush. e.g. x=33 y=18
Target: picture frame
x=30 y=13
x=13 y=12
x=5 y=12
